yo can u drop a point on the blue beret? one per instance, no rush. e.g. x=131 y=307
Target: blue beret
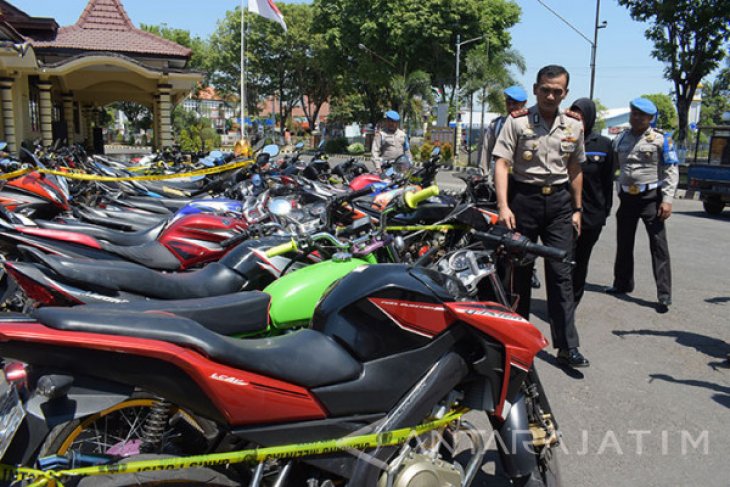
x=516 y=93
x=392 y=115
x=645 y=105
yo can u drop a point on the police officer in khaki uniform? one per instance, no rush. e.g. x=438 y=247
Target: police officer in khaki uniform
x=390 y=142
x=646 y=186
x=515 y=98
x=542 y=197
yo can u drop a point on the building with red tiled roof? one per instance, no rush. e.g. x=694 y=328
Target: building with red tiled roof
x=54 y=80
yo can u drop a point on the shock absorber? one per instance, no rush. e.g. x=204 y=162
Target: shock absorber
x=154 y=427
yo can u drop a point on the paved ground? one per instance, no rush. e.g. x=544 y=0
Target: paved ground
x=654 y=407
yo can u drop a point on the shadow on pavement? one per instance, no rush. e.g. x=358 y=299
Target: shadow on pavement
x=712 y=347
x=569 y=371
x=630 y=299
x=718 y=300
x=723 y=398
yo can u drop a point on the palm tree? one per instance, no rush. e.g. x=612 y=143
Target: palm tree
x=409 y=93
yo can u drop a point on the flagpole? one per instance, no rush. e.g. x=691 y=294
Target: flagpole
x=243 y=71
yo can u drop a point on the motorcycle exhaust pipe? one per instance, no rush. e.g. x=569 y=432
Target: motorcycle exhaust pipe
x=441 y=379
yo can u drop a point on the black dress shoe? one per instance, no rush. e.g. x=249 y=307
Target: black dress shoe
x=617 y=290
x=663 y=305
x=572 y=358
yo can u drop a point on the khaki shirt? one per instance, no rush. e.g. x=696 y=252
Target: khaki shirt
x=388 y=146
x=539 y=154
x=647 y=159
x=488 y=140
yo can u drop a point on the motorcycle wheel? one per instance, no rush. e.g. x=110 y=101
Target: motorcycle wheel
x=118 y=431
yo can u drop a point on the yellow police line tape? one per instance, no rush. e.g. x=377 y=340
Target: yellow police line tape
x=150 y=177
x=256 y=455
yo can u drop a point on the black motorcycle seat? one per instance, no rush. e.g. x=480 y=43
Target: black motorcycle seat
x=112 y=236
x=173 y=204
x=305 y=357
x=230 y=314
x=151 y=254
x=214 y=279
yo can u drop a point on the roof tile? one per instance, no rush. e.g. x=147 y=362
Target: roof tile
x=105 y=26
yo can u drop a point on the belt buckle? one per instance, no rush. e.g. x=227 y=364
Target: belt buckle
x=634 y=189
x=547 y=190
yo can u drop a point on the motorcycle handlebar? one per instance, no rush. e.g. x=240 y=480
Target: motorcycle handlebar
x=519 y=243
x=282 y=249
x=412 y=199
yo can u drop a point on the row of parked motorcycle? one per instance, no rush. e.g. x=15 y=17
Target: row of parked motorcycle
x=288 y=301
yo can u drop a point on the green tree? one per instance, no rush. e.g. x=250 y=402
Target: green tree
x=138 y=115
x=667 y=117
x=404 y=36
x=716 y=98
x=193 y=132
x=690 y=36
x=198 y=45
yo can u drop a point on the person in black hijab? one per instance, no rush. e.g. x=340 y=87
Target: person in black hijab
x=598 y=176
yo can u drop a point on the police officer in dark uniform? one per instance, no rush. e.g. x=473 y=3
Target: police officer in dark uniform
x=646 y=187
x=598 y=176
x=544 y=148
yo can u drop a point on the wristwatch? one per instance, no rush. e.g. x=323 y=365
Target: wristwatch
x=578 y=209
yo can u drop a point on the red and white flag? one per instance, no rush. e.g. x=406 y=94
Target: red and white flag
x=267 y=9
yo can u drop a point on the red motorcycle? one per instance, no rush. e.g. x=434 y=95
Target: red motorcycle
x=171 y=246
x=390 y=347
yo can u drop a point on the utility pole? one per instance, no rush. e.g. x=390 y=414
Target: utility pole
x=456 y=92
x=593 y=43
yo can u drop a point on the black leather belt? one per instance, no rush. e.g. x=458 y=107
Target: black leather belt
x=545 y=190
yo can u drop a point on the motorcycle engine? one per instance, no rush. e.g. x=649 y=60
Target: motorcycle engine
x=417 y=470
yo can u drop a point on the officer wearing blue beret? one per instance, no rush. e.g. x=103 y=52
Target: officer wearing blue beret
x=515 y=98
x=390 y=142
x=646 y=187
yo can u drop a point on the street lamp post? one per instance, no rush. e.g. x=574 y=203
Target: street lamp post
x=456 y=91
x=593 y=43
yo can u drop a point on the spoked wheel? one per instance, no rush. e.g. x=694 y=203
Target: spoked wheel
x=121 y=434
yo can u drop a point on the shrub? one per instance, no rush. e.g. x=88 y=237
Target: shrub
x=426 y=150
x=356 y=148
x=337 y=145
x=447 y=151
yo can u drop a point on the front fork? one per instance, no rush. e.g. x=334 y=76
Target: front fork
x=528 y=429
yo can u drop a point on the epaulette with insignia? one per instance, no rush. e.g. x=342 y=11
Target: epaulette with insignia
x=520 y=113
x=574 y=115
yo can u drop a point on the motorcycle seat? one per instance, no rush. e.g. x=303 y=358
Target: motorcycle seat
x=214 y=279
x=230 y=314
x=151 y=254
x=112 y=236
x=305 y=357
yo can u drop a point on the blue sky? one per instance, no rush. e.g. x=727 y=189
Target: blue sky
x=625 y=68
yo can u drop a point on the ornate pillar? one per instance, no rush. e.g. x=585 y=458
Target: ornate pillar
x=165 y=111
x=46 y=112
x=156 y=122
x=68 y=116
x=8 y=114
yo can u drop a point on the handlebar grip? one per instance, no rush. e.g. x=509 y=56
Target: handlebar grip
x=356 y=194
x=412 y=199
x=516 y=242
x=282 y=249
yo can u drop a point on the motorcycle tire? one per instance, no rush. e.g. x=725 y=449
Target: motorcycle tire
x=70 y=435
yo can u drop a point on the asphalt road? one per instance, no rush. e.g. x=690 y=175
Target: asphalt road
x=654 y=407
